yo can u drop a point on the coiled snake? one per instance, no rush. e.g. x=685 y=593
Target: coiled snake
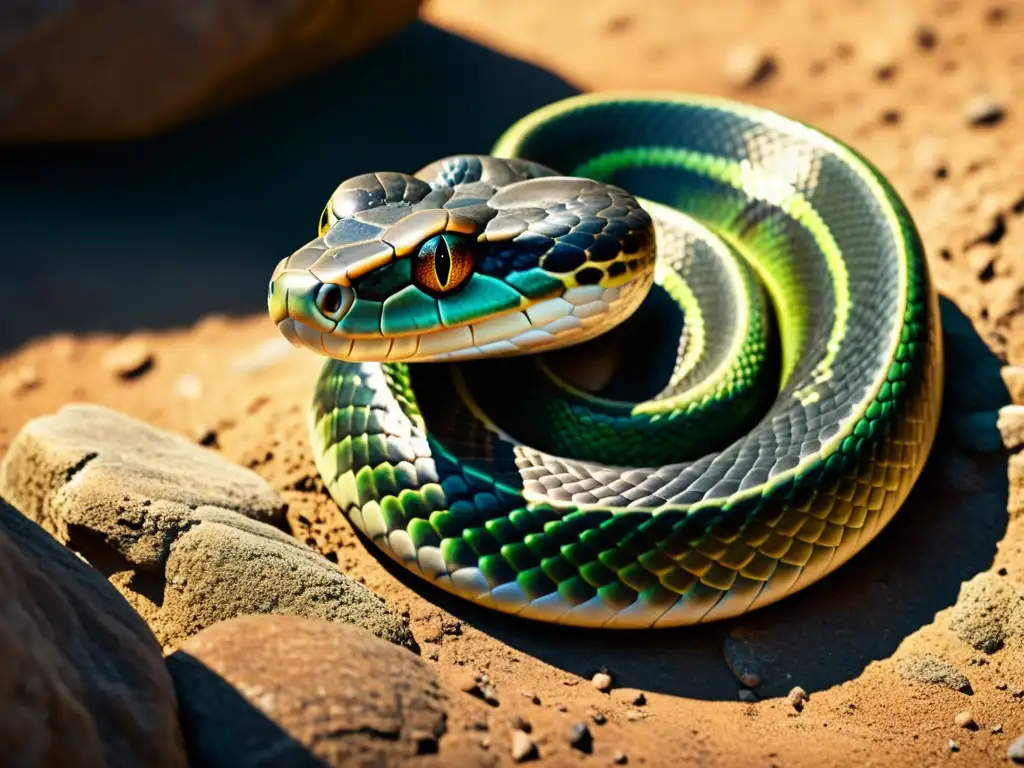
x=649 y=411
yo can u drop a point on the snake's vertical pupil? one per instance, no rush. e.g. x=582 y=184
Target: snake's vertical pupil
x=442 y=263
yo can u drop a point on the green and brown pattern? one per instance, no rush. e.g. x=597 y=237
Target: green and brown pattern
x=801 y=410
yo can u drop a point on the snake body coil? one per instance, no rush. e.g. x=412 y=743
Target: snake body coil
x=545 y=467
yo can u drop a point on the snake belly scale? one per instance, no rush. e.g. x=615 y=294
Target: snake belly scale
x=805 y=381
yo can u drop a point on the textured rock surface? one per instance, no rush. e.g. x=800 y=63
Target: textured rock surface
x=928 y=668
x=176 y=527
x=123 y=70
x=278 y=690
x=82 y=680
x=988 y=613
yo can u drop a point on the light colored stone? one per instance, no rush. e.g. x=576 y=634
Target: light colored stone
x=182 y=532
x=748 y=65
x=1011 y=426
x=930 y=669
x=281 y=690
x=128 y=358
x=119 y=70
x=988 y=611
x=82 y=680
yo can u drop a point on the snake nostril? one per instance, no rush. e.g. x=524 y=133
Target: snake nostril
x=330 y=299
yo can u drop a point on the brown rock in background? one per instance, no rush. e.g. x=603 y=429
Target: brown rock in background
x=82 y=680
x=118 y=69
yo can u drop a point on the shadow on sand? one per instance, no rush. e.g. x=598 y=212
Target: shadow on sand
x=827 y=634
x=156 y=234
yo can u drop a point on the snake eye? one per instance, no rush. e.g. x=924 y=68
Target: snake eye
x=325 y=222
x=443 y=264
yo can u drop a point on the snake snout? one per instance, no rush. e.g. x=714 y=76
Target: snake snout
x=299 y=295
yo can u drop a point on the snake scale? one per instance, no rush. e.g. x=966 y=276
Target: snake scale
x=657 y=360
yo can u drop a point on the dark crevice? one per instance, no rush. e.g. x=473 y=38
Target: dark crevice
x=71 y=471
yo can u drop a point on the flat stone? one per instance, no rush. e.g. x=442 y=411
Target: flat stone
x=182 y=532
x=82 y=679
x=286 y=690
x=113 y=71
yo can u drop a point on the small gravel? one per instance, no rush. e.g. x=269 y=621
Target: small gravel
x=523 y=747
x=580 y=738
x=128 y=359
x=797 y=697
x=602 y=681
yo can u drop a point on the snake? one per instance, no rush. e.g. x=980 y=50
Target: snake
x=658 y=359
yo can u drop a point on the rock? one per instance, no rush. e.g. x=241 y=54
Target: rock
x=748 y=65
x=22 y=379
x=523 y=747
x=117 y=71
x=1011 y=426
x=987 y=611
x=620 y=758
x=953 y=745
x=965 y=720
x=926 y=37
x=926 y=668
x=179 y=530
x=1013 y=378
x=997 y=728
x=1016 y=751
x=580 y=738
x=128 y=359
x=279 y=690
x=81 y=676
x=598 y=718
x=797 y=697
x=1015 y=473
x=741 y=658
x=602 y=681
x=481 y=687
x=982 y=110
x=639 y=700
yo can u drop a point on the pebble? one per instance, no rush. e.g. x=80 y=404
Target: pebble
x=523 y=748
x=953 y=745
x=966 y=720
x=20 y=380
x=747 y=696
x=620 y=758
x=797 y=697
x=1011 y=426
x=481 y=687
x=748 y=65
x=984 y=110
x=997 y=728
x=740 y=658
x=1016 y=751
x=926 y=37
x=580 y=738
x=602 y=681
x=640 y=699
x=533 y=697
x=635 y=714
x=128 y=359
x=598 y=718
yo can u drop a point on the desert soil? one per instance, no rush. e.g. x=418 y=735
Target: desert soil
x=932 y=91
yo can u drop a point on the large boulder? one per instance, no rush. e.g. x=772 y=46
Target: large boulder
x=118 y=69
x=82 y=679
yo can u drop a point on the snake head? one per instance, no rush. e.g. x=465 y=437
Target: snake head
x=472 y=256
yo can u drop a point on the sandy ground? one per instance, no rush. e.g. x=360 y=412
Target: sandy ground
x=170 y=243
